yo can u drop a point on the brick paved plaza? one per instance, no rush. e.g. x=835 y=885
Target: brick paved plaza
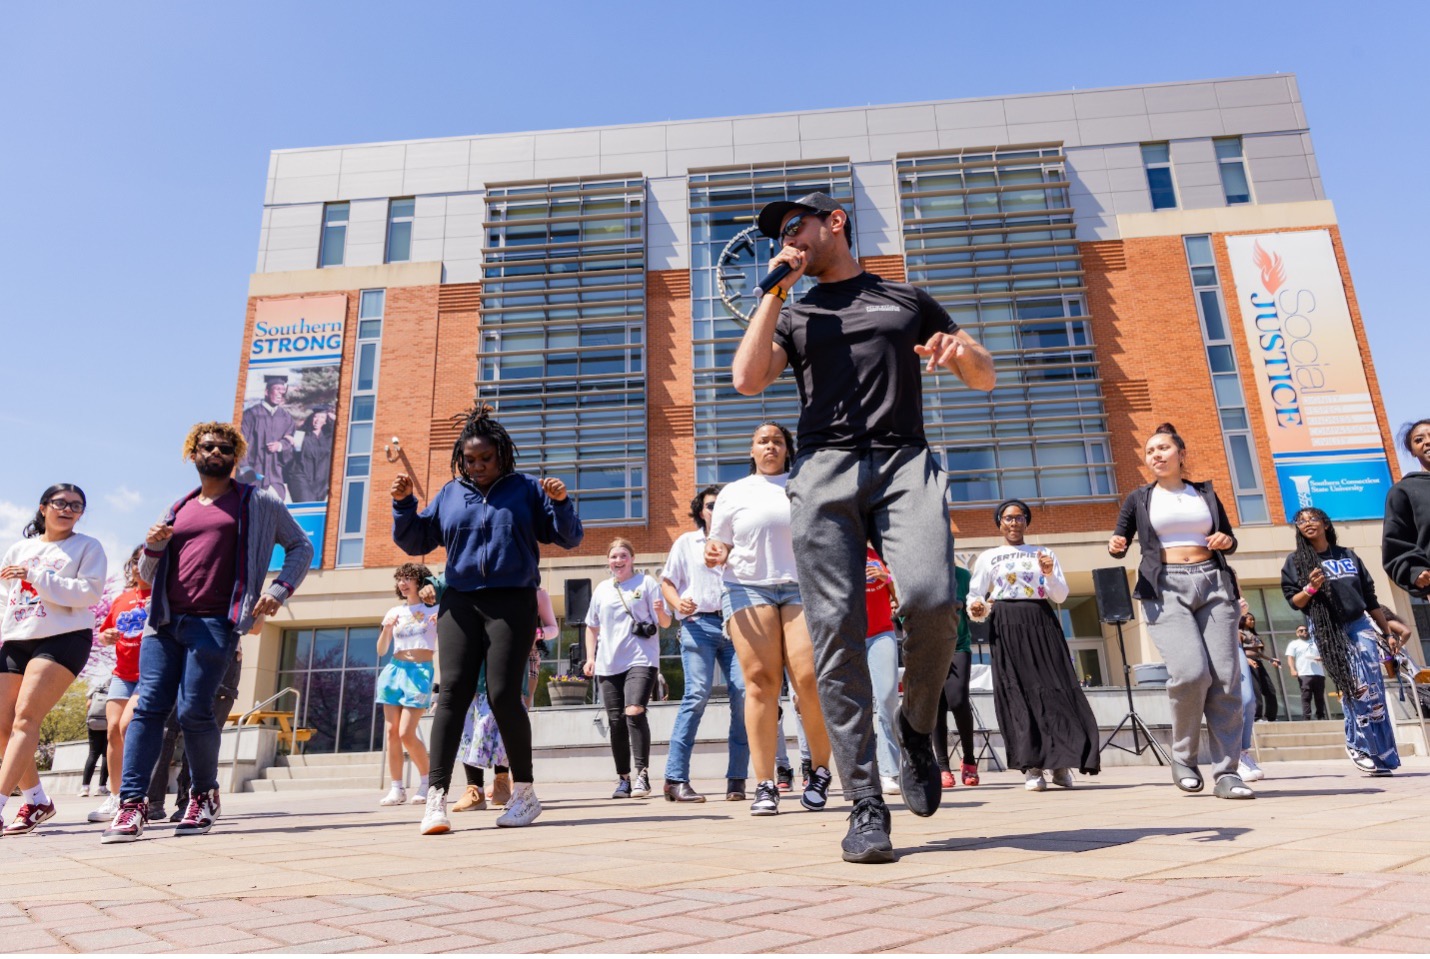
x=1325 y=860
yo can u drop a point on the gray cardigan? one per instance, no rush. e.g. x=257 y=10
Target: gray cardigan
x=263 y=522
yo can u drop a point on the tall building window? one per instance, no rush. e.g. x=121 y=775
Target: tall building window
x=335 y=234
x=335 y=673
x=1233 y=170
x=563 y=341
x=399 y=229
x=1226 y=382
x=723 y=203
x=1157 y=158
x=990 y=235
x=357 y=469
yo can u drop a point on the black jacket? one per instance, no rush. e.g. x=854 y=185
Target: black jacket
x=1405 y=546
x=1133 y=520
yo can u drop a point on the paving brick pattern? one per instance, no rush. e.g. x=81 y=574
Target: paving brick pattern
x=1323 y=861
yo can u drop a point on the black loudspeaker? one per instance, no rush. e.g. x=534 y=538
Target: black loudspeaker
x=578 y=599
x=1114 y=600
x=979 y=632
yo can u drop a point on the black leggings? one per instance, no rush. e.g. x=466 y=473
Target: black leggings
x=498 y=627
x=955 y=697
x=476 y=776
x=630 y=735
x=1265 y=693
x=98 y=753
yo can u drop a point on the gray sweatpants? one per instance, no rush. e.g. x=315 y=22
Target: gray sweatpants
x=1194 y=628
x=840 y=500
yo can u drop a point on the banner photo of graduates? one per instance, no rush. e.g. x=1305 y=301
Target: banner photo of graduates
x=289 y=406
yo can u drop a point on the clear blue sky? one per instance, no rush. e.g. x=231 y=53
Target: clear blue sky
x=137 y=139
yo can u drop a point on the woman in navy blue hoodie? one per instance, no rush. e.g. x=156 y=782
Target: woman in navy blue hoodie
x=489 y=519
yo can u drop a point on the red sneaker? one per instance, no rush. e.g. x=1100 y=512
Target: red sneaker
x=30 y=816
x=946 y=780
x=970 y=774
x=199 y=818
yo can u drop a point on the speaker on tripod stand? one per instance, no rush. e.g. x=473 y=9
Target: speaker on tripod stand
x=1114 y=605
x=980 y=636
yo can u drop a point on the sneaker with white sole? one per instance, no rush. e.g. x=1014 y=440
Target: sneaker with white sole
x=106 y=809
x=1033 y=781
x=640 y=785
x=396 y=796
x=434 y=820
x=767 y=799
x=1363 y=761
x=29 y=817
x=890 y=785
x=83 y=791
x=200 y=815
x=419 y=795
x=129 y=822
x=1247 y=768
x=522 y=807
x=1063 y=778
x=816 y=795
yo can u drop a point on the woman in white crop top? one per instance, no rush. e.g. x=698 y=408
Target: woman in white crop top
x=1189 y=598
x=1046 y=721
x=404 y=688
x=750 y=538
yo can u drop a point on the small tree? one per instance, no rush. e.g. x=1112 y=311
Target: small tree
x=66 y=722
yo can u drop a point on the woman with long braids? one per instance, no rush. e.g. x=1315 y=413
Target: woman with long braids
x=1042 y=710
x=1331 y=585
x=1405 y=548
x=48 y=580
x=489 y=519
x=1189 y=598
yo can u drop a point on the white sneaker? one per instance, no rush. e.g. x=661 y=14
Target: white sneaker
x=522 y=808
x=1063 y=778
x=106 y=810
x=434 y=820
x=83 y=791
x=1034 y=782
x=420 y=795
x=1247 y=769
x=890 y=785
x=396 y=796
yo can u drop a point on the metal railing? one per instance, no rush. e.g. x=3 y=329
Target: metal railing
x=243 y=721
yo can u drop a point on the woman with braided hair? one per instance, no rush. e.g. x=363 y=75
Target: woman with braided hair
x=1331 y=585
x=490 y=520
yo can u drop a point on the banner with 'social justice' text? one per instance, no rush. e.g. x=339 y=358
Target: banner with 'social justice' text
x=1325 y=439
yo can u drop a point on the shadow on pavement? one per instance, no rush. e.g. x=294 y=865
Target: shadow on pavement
x=1075 y=840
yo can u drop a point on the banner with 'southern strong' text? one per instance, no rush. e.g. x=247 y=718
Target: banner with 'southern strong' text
x=1325 y=439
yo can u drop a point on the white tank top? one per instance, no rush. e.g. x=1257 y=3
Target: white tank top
x=1181 y=518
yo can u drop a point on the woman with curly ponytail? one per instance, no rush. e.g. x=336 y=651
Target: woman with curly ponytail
x=1331 y=585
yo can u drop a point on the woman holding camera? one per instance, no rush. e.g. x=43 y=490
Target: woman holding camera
x=623 y=653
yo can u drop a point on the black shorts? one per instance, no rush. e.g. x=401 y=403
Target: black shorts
x=70 y=650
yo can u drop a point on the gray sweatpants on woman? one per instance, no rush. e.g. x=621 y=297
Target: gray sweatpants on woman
x=839 y=500
x=1194 y=627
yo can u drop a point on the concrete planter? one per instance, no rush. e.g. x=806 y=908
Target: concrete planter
x=567 y=690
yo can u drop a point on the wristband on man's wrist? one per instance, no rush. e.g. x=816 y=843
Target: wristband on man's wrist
x=778 y=291
x=1311 y=591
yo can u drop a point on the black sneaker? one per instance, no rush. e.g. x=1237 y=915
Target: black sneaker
x=767 y=800
x=868 y=836
x=918 y=770
x=623 y=789
x=640 y=786
x=816 y=791
x=785 y=777
x=804 y=770
x=178 y=814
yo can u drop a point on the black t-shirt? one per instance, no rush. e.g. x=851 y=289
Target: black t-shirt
x=851 y=346
x=1346 y=577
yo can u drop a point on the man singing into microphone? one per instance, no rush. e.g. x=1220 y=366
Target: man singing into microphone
x=863 y=473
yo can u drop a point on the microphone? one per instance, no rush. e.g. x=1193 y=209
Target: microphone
x=771 y=280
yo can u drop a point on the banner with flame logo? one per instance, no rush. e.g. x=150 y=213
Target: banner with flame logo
x=1316 y=402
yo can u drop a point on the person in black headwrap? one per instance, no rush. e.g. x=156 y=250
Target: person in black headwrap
x=1045 y=719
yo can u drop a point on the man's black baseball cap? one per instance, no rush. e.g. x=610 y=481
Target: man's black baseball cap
x=773 y=213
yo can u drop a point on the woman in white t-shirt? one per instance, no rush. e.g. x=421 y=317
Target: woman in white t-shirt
x=48 y=582
x=623 y=653
x=750 y=539
x=404 y=687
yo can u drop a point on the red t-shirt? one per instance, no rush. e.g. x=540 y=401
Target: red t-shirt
x=203 y=556
x=877 y=599
x=128 y=614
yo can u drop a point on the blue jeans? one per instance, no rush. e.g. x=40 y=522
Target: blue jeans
x=883 y=653
x=1368 y=725
x=702 y=644
x=1248 y=703
x=184 y=660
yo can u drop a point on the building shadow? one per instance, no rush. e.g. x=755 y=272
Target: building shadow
x=1075 y=840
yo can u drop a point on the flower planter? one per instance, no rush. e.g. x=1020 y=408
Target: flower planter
x=567 y=690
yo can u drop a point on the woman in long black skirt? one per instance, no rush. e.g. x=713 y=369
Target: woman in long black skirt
x=1042 y=712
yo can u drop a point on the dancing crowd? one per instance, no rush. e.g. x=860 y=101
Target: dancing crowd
x=820 y=572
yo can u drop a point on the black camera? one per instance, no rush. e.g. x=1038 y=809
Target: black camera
x=645 y=630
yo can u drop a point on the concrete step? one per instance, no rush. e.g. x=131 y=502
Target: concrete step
x=1282 y=740
x=321 y=773
x=330 y=759
x=369 y=782
x=1287 y=753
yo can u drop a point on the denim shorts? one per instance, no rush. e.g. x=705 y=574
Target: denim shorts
x=737 y=596
x=122 y=688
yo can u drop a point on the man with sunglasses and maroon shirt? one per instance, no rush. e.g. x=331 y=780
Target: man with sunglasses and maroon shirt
x=207 y=559
x=863 y=472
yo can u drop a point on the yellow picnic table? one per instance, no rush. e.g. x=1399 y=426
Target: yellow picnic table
x=287 y=735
